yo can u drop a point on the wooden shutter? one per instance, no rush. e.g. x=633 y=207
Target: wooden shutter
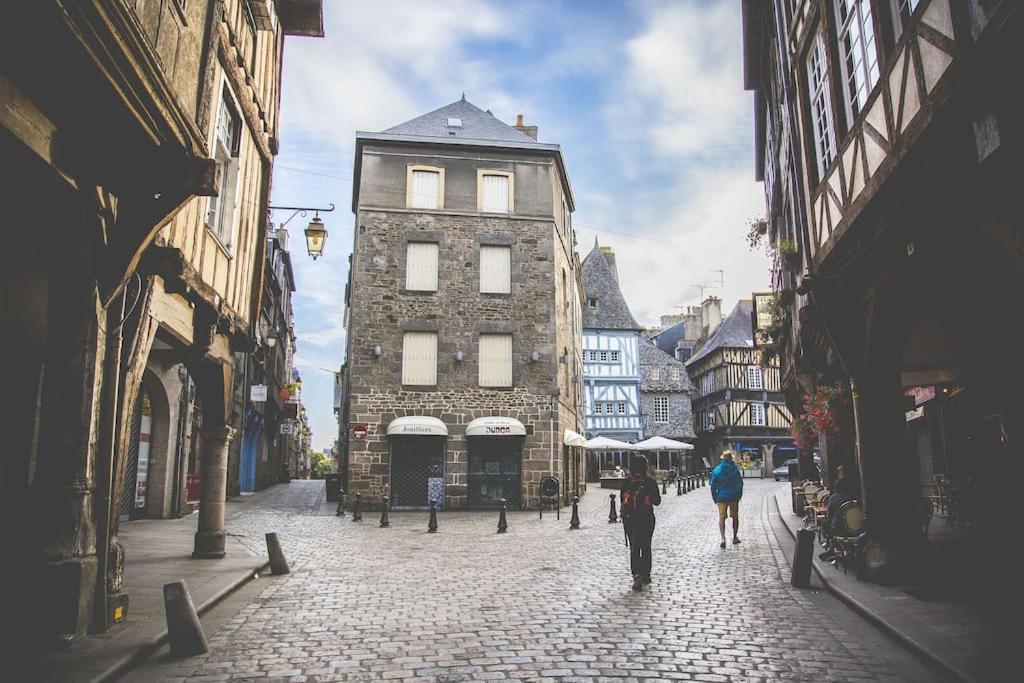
x=421 y=266
x=419 y=358
x=495 y=269
x=426 y=189
x=495 y=194
x=495 y=360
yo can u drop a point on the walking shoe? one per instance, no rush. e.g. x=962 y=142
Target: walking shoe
x=735 y=540
x=722 y=544
x=638 y=583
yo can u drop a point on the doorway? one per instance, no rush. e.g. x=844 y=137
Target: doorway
x=417 y=472
x=495 y=471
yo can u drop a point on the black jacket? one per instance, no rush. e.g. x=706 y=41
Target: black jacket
x=647 y=489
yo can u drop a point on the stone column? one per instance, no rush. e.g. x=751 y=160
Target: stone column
x=209 y=541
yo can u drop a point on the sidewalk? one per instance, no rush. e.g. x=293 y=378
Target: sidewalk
x=956 y=637
x=156 y=552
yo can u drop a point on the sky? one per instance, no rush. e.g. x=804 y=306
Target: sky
x=645 y=98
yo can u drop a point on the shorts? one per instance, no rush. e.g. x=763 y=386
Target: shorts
x=733 y=510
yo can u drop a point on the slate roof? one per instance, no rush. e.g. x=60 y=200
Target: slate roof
x=652 y=356
x=734 y=333
x=599 y=283
x=476 y=125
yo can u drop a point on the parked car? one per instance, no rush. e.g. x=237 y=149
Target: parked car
x=782 y=471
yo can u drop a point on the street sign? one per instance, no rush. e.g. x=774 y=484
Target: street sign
x=287 y=428
x=358 y=432
x=258 y=392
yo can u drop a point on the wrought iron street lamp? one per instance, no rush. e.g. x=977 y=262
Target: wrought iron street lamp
x=316 y=233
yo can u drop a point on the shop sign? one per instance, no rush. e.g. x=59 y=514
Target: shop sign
x=258 y=392
x=358 y=432
x=915 y=413
x=921 y=394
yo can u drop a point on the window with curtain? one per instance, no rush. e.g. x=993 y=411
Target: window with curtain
x=755 y=377
x=661 y=409
x=821 y=106
x=858 y=51
x=495 y=360
x=426 y=190
x=421 y=266
x=495 y=194
x=757 y=414
x=495 y=269
x=419 y=358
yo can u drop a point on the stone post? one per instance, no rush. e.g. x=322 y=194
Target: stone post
x=209 y=543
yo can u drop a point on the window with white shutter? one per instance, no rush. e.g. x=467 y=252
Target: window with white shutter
x=425 y=187
x=421 y=266
x=495 y=360
x=495 y=269
x=755 y=378
x=757 y=414
x=495 y=191
x=419 y=358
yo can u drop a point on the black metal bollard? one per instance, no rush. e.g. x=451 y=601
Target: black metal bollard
x=340 y=512
x=574 y=523
x=432 y=525
x=384 y=521
x=664 y=485
x=693 y=484
x=357 y=513
x=502 y=521
x=612 y=516
x=679 y=486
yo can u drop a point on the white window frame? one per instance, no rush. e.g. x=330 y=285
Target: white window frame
x=661 y=410
x=820 y=98
x=603 y=356
x=613 y=356
x=425 y=286
x=222 y=210
x=858 y=51
x=902 y=12
x=490 y=284
x=484 y=381
x=674 y=374
x=592 y=302
x=412 y=168
x=757 y=415
x=407 y=363
x=755 y=378
x=620 y=407
x=480 y=175
x=709 y=419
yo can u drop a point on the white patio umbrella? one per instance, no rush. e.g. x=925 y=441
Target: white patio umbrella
x=603 y=443
x=571 y=438
x=660 y=443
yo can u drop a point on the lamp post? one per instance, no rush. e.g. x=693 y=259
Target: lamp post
x=316 y=233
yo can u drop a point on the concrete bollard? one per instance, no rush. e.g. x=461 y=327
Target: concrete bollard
x=432 y=524
x=502 y=521
x=574 y=522
x=184 y=632
x=278 y=563
x=384 y=521
x=357 y=512
x=612 y=516
x=679 y=486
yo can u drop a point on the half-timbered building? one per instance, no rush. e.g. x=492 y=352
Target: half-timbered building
x=611 y=359
x=739 y=405
x=888 y=137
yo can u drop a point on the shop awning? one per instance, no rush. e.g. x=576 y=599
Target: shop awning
x=495 y=426
x=571 y=438
x=660 y=443
x=417 y=425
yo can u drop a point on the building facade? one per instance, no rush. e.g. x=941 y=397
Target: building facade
x=665 y=404
x=611 y=360
x=890 y=165
x=463 y=315
x=139 y=137
x=739 y=405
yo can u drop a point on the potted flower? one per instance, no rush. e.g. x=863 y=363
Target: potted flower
x=789 y=252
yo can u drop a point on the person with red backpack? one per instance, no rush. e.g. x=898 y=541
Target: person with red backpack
x=726 y=490
x=637 y=498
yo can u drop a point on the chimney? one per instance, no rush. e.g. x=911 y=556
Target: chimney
x=692 y=328
x=609 y=256
x=524 y=129
x=710 y=315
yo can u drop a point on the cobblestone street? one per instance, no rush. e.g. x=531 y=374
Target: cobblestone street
x=540 y=602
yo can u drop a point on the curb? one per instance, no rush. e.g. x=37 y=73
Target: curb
x=145 y=650
x=915 y=648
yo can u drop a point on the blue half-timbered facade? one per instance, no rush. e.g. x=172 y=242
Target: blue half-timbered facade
x=611 y=363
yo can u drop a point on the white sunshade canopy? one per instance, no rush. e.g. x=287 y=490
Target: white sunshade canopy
x=571 y=438
x=660 y=443
x=417 y=425
x=495 y=426
x=603 y=443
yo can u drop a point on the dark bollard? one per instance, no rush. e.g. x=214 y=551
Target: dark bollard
x=574 y=523
x=612 y=516
x=502 y=522
x=679 y=486
x=384 y=521
x=184 y=632
x=340 y=512
x=432 y=525
x=357 y=513
x=278 y=563
x=664 y=485
x=803 y=555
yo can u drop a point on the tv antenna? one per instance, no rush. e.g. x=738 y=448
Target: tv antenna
x=701 y=288
x=721 y=279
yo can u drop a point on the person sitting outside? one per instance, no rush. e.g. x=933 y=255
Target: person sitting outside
x=619 y=472
x=844 y=492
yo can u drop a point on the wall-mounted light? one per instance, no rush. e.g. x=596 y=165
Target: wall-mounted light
x=535 y=356
x=376 y=350
x=272 y=339
x=564 y=360
x=458 y=355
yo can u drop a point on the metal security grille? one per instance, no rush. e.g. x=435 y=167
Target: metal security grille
x=495 y=471
x=131 y=464
x=415 y=463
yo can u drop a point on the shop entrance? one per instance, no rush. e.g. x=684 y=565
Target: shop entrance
x=417 y=472
x=495 y=471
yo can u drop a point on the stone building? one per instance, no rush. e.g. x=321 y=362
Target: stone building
x=136 y=141
x=894 y=175
x=463 y=316
x=665 y=396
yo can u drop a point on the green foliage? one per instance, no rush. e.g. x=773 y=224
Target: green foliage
x=319 y=465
